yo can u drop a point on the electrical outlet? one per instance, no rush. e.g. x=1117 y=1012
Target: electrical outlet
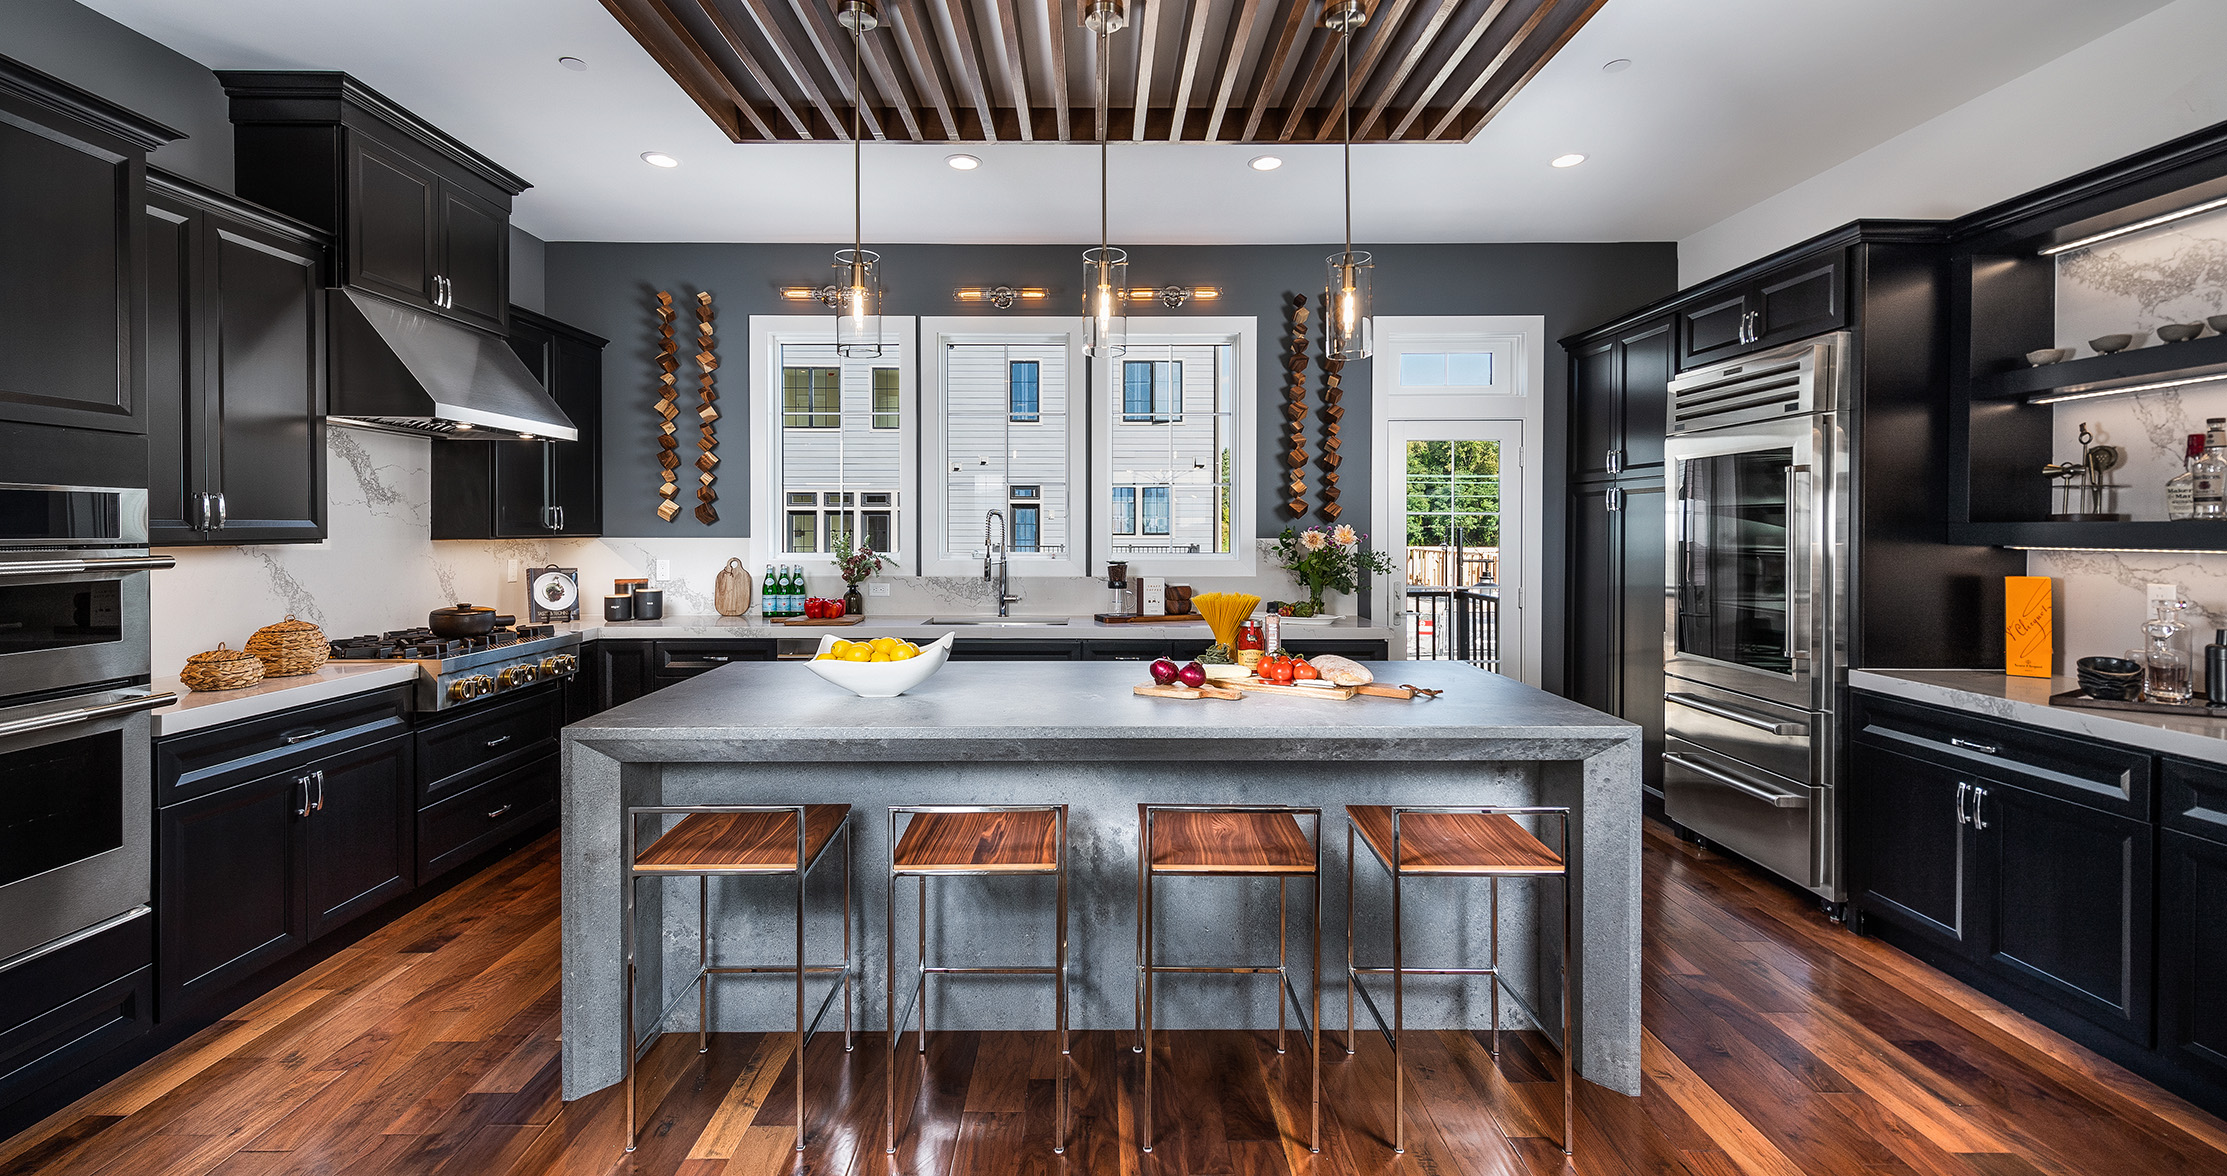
x=877 y=590
x=510 y=570
x=2164 y=594
x=661 y=569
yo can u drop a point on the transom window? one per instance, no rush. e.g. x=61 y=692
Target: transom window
x=1445 y=369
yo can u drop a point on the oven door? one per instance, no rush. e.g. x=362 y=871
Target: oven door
x=1745 y=554
x=75 y=809
x=73 y=620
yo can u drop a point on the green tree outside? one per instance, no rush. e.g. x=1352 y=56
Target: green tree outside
x=1453 y=493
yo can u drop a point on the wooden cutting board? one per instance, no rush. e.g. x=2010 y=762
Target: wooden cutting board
x=822 y=622
x=1187 y=692
x=1332 y=693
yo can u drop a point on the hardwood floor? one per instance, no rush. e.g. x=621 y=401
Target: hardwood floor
x=1776 y=1044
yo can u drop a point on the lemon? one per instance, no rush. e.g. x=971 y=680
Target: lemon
x=880 y=656
x=858 y=653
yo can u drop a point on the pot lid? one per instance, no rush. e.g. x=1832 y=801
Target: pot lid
x=461 y=610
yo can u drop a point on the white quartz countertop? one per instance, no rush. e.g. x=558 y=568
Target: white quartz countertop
x=196 y=709
x=2026 y=700
x=875 y=625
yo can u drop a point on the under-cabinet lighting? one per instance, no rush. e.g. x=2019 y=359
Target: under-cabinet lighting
x=2136 y=227
x=1172 y=296
x=2129 y=390
x=1002 y=297
x=2125 y=550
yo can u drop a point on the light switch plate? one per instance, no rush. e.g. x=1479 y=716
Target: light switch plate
x=510 y=570
x=877 y=590
x=662 y=569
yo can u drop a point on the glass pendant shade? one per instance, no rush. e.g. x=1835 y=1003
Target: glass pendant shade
x=1105 y=302
x=858 y=304
x=1349 y=330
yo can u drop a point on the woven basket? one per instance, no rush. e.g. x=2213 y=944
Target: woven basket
x=289 y=647
x=221 y=668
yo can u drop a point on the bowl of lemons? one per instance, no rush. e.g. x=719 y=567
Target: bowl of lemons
x=883 y=667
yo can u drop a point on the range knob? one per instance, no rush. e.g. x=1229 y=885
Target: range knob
x=460 y=690
x=568 y=663
x=551 y=667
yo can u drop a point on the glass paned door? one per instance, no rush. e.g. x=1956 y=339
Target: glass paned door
x=1456 y=489
x=1731 y=558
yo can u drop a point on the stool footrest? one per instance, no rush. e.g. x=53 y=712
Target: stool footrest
x=1045 y=970
x=1358 y=970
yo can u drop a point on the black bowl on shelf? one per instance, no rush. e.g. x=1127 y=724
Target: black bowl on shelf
x=2110 y=679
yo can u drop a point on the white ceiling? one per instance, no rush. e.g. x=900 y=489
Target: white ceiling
x=1726 y=102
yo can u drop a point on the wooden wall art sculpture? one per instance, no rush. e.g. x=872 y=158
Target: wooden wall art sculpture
x=1295 y=407
x=707 y=445
x=668 y=407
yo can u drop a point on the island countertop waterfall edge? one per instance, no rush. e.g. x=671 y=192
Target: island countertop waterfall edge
x=1014 y=732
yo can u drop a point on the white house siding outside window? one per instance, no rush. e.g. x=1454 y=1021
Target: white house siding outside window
x=841 y=449
x=1173 y=421
x=1006 y=445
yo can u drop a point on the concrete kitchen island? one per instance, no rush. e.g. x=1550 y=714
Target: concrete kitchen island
x=1072 y=732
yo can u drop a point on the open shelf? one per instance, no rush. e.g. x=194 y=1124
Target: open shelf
x=2153 y=535
x=2158 y=361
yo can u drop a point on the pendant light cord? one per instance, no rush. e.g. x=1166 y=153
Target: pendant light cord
x=1104 y=190
x=858 y=184
x=1345 y=46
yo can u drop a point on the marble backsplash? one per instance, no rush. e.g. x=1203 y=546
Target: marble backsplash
x=377 y=570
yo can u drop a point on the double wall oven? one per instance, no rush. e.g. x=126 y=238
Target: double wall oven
x=75 y=796
x=1757 y=462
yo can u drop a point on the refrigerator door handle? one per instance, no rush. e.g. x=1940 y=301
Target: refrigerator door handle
x=1774 y=799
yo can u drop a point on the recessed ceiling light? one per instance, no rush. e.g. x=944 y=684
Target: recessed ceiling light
x=1617 y=66
x=1264 y=163
x=574 y=64
x=660 y=159
x=963 y=162
x=1571 y=160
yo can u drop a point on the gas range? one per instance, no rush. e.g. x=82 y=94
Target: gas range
x=458 y=671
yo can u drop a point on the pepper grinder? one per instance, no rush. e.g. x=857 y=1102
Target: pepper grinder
x=2215 y=669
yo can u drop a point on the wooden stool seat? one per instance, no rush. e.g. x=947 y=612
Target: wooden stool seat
x=1222 y=843
x=740 y=843
x=987 y=842
x=1455 y=843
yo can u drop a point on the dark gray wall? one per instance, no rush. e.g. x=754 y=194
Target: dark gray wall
x=529 y=260
x=609 y=288
x=90 y=51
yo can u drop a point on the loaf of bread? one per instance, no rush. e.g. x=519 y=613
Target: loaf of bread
x=1341 y=671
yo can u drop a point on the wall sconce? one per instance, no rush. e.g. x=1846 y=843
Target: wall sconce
x=826 y=295
x=1172 y=296
x=1002 y=297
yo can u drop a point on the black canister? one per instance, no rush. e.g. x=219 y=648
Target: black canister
x=2215 y=669
x=618 y=608
x=649 y=604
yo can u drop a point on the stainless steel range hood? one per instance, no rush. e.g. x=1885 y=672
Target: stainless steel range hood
x=401 y=370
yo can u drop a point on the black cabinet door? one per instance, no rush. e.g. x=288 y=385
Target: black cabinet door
x=360 y=831
x=1714 y=329
x=179 y=424
x=1638 y=666
x=1644 y=363
x=228 y=889
x=1799 y=301
x=2192 y=953
x=1010 y=649
x=1590 y=646
x=393 y=226
x=70 y=273
x=267 y=335
x=622 y=672
x=576 y=485
x=2069 y=903
x=474 y=259
x=1594 y=391
x=1911 y=859
x=532 y=489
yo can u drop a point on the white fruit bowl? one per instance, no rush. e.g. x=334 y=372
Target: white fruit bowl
x=881 y=679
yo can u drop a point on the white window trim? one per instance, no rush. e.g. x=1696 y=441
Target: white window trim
x=1521 y=399
x=769 y=520
x=1105 y=404
x=935 y=334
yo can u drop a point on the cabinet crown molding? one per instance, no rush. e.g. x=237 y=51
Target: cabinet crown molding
x=23 y=81
x=325 y=97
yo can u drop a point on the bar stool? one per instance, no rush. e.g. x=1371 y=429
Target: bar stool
x=1463 y=842
x=958 y=841
x=1231 y=841
x=740 y=840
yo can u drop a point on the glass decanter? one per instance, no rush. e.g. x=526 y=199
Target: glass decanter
x=2165 y=668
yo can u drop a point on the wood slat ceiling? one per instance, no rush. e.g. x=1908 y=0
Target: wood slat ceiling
x=983 y=71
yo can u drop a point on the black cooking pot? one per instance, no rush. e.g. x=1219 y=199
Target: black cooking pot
x=462 y=620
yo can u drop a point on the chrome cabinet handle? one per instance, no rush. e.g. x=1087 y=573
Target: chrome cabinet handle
x=220 y=510
x=87 y=714
x=560 y=518
x=1615 y=499
x=1978 y=795
x=302 y=736
x=498 y=741
x=1774 y=799
x=302 y=809
x=1969 y=745
x=1744 y=718
x=201 y=512
x=499 y=812
x=1963 y=790
x=319 y=777
x=65 y=567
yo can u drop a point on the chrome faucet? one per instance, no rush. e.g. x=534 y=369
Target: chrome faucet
x=996 y=568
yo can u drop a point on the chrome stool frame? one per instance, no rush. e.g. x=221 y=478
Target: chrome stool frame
x=1309 y=1013
x=801 y=868
x=918 y=996
x=1396 y=1031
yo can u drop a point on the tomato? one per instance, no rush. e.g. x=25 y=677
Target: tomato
x=1301 y=671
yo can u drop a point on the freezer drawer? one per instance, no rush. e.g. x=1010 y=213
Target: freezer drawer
x=1762 y=816
x=1769 y=735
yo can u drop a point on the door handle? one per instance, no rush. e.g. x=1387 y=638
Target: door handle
x=302 y=809
x=1978 y=795
x=302 y=736
x=1963 y=790
x=220 y=510
x=1774 y=799
x=498 y=741
x=67 y=567
x=1969 y=745
x=1744 y=718
x=319 y=776
x=86 y=714
x=1614 y=499
x=498 y=813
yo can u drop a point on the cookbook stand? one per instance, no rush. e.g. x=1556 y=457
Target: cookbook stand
x=552 y=594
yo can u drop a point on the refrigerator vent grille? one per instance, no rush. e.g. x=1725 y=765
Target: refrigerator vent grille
x=1741 y=393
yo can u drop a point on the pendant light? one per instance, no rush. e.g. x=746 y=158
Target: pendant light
x=1105 y=269
x=858 y=293
x=1350 y=330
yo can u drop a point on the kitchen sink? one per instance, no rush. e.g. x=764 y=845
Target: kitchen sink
x=993 y=622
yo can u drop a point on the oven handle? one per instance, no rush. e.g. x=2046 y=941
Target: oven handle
x=75 y=937
x=87 y=714
x=64 y=567
x=1738 y=716
x=1774 y=799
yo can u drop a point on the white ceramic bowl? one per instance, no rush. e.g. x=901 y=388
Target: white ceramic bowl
x=881 y=679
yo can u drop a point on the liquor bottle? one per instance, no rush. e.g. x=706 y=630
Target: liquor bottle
x=2180 y=490
x=2210 y=497
x=769 y=599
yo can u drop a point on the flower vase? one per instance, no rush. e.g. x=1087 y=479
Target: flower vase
x=854 y=602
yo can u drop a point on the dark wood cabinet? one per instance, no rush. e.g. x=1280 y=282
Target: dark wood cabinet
x=235 y=370
x=69 y=1009
x=229 y=897
x=1613 y=654
x=72 y=256
x=2068 y=906
x=621 y=670
x=1620 y=400
x=358 y=833
x=1908 y=848
x=527 y=489
x=1596 y=399
x=1803 y=298
x=2192 y=955
x=418 y=217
